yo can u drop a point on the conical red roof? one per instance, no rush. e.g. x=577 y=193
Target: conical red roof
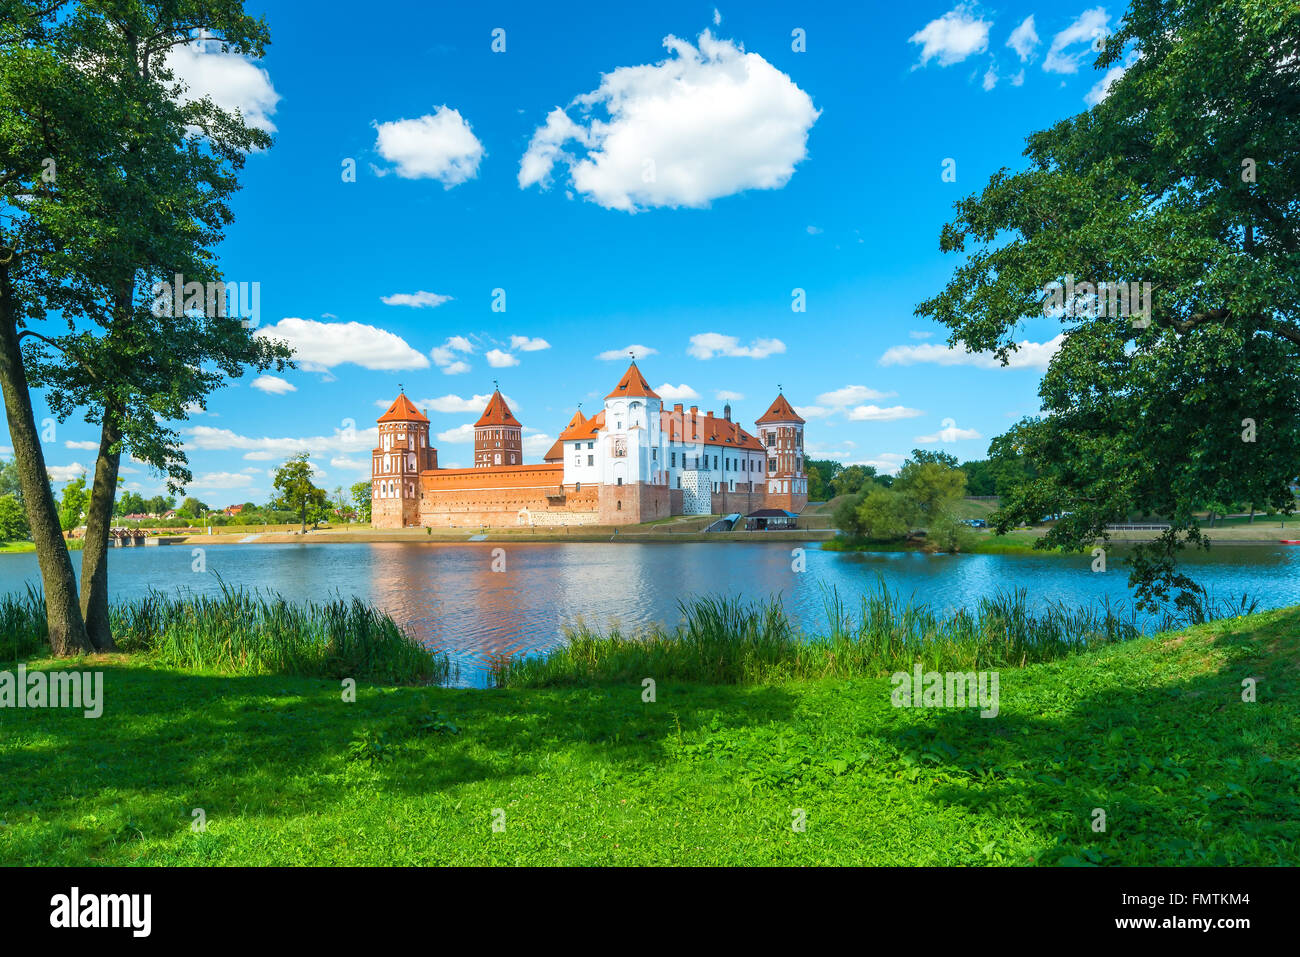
x=497 y=413
x=633 y=383
x=403 y=410
x=780 y=411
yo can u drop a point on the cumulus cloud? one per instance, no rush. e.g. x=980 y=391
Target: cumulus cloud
x=65 y=473
x=538 y=444
x=273 y=385
x=990 y=77
x=637 y=352
x=417 y=299
x=874 y=413
x=319 y=346
x=1024 y=39
x=948 y=433
x=710 y=344
x=437 y=146
x=525 y=344
x=726 y=395
x=1028 y=355
x=709 y=121
x=81 y=446
x=953 y=37
x=674 y=392
x=500 y=360
x=915 y=334
x=1087 y=27
x=453 y=403
x=221 y=480
x=459 y=435
x=445 y=358
x=233 y=82
x=813 y=411
x=266 y=448
x=343 y=462
x=849 y=395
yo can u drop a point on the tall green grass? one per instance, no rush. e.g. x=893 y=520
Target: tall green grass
x=730 y=641
x=23 y=628
x=246 y=633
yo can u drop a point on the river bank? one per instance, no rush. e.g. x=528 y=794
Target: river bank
x=1154 y=732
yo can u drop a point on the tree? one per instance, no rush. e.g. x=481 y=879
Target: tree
x=1187 y=177
x=73 y=504
x=931 y=484
x=192 y=508
x=820 y=472
x=10 y=484
x=979 y=477
x=851 y=480
x=141 y=358
x=130 y=503
x=13 y=521
x=297 y=493
x=884 y=514
x=361 y=495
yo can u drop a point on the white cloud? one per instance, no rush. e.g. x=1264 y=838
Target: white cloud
x=990 y=77
x=273 y=385
x=459 y=435
x=637 y=352
x=267 y=456
x=221 y=480
x=915 y=334
x=1029 y=355
x=343 y=462
x=1018 y=79
x=1087 y=26
x=850 y=394
x=525 y=344
x=814 y=230
x=65 y=473
x=675 y=392
x=435 y=146
x=500 y=360
x=728 y=396
x=710 y=344
x=538 y=444
x=454 y=404
x=444 y=356
x=717 y=17
x=232 y=81
x=267 y=448
x=1024 y=39
x=953 y=37
x=417 y=299
x=319 y=346
x=948 y=433
x=1101 y=89
x=710 y=121
x=874 y=413
x=82 y=446
x=813 y=411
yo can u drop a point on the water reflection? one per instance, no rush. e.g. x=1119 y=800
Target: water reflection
x=452 y=599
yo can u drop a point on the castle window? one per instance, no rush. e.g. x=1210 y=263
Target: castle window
x=620 y=482
x=674 y=460
x=771 y=439
x=591 y=460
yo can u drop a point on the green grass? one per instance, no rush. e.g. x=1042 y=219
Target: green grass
x=729 y=641
x=245 y=633
x=1152 y=731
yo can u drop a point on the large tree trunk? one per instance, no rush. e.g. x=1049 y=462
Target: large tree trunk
x=94 y=551
x=67 y=629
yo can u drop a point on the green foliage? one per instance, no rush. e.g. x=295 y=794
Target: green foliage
x=9 y=483
x=820 y=473
x=883 y=514
x=926 y=492
x=980 y=479
x=1186 y=176
x=361 y=498
x=72 y=505
x=23 y=629
x=850 y=481
x=13 y=520
x=297 y=492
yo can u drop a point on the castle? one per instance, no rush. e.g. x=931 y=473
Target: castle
x=634 y=461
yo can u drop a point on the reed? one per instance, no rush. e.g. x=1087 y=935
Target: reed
x=729 y=641
x=246 y=633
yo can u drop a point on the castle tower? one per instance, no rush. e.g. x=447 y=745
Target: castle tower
x=403 y=453
x=498 y=436
x=780 y=430
x=634 y=480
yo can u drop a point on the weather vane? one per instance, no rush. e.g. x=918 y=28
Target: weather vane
x=400 y=388
x=496 y=385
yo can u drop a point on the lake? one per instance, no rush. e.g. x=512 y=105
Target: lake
x=450 y=597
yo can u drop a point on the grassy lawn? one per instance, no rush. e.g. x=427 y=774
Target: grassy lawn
x=1152 y=731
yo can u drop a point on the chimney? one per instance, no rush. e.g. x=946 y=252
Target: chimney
x=708 y=415
x=695 y=410
x=678 y=408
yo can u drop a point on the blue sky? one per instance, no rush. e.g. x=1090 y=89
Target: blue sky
x=675 y=207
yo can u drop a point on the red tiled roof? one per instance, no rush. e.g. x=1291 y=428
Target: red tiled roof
x=497 y=413
x=690 y=426
x=780 y=411
x=403 y=410
x=556 y=453
x=633 y=383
